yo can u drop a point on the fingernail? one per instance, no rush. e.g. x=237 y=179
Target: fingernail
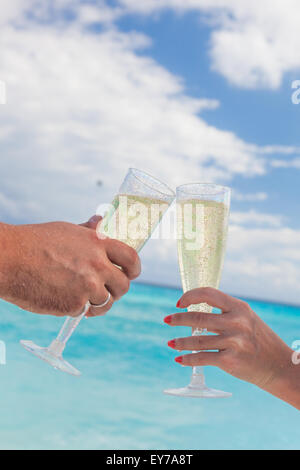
x=179 y=359
x=168 y=319
x=171 y=343
x=95 y=218
x=178 y=304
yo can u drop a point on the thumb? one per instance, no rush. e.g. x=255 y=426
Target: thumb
x=92 y=222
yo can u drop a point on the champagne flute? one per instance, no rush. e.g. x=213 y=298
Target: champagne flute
x=133 y=215
x=202 y=224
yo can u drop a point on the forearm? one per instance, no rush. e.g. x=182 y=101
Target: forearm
x=286 y=385
x=9 y=254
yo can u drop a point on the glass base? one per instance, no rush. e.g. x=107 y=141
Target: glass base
x=47 y=355
x=197 y=392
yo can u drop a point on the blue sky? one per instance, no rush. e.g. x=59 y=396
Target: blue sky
x=181 y=44
x=188 y=90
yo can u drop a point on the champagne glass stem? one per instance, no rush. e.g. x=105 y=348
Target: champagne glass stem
x=198 y=378
x=58 y=345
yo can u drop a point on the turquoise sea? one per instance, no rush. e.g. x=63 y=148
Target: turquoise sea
x=118 y=402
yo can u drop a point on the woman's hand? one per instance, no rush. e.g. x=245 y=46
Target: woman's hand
x=243 y=345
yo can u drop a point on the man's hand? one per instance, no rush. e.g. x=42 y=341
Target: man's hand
x=55 y=268
x=243 y=345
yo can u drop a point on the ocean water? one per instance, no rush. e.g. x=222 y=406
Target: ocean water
x=118 y=402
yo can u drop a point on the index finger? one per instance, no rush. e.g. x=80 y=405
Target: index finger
x=212 y=322
x=124 y=256
x=210 y=296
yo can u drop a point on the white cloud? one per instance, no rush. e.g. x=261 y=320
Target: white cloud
x=253 y=43
x=292 y=163
x=256 y=218
x=249 y=197
x=10 y=207
x=263 y=263
x=83 y=107
x=278 y=149
x=13 y=9
x=17 y=11
x=101 y=13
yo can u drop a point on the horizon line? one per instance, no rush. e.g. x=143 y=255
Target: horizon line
x=251 y=299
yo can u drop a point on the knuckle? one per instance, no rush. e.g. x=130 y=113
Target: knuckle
x=208 y=290
x=91 y=284
x=134 y=261
x=126 y=285
x=197 y=342
x=246 y=324
x=239 y=321
x=197 y=318
x=238 y=342
x=123 y=287
x=229 y=361
x=244 y=307
x=132 y=255
x=99 y=262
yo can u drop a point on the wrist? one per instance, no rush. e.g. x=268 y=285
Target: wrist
x=286 y=383
x=8 y=256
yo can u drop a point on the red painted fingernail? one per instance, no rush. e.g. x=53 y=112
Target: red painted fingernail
x=171 y=343
x=178 y=304
x=179 y=359
x=168 y=319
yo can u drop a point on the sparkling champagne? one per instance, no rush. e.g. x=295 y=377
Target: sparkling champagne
x=202 y=233
x=132 y=219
